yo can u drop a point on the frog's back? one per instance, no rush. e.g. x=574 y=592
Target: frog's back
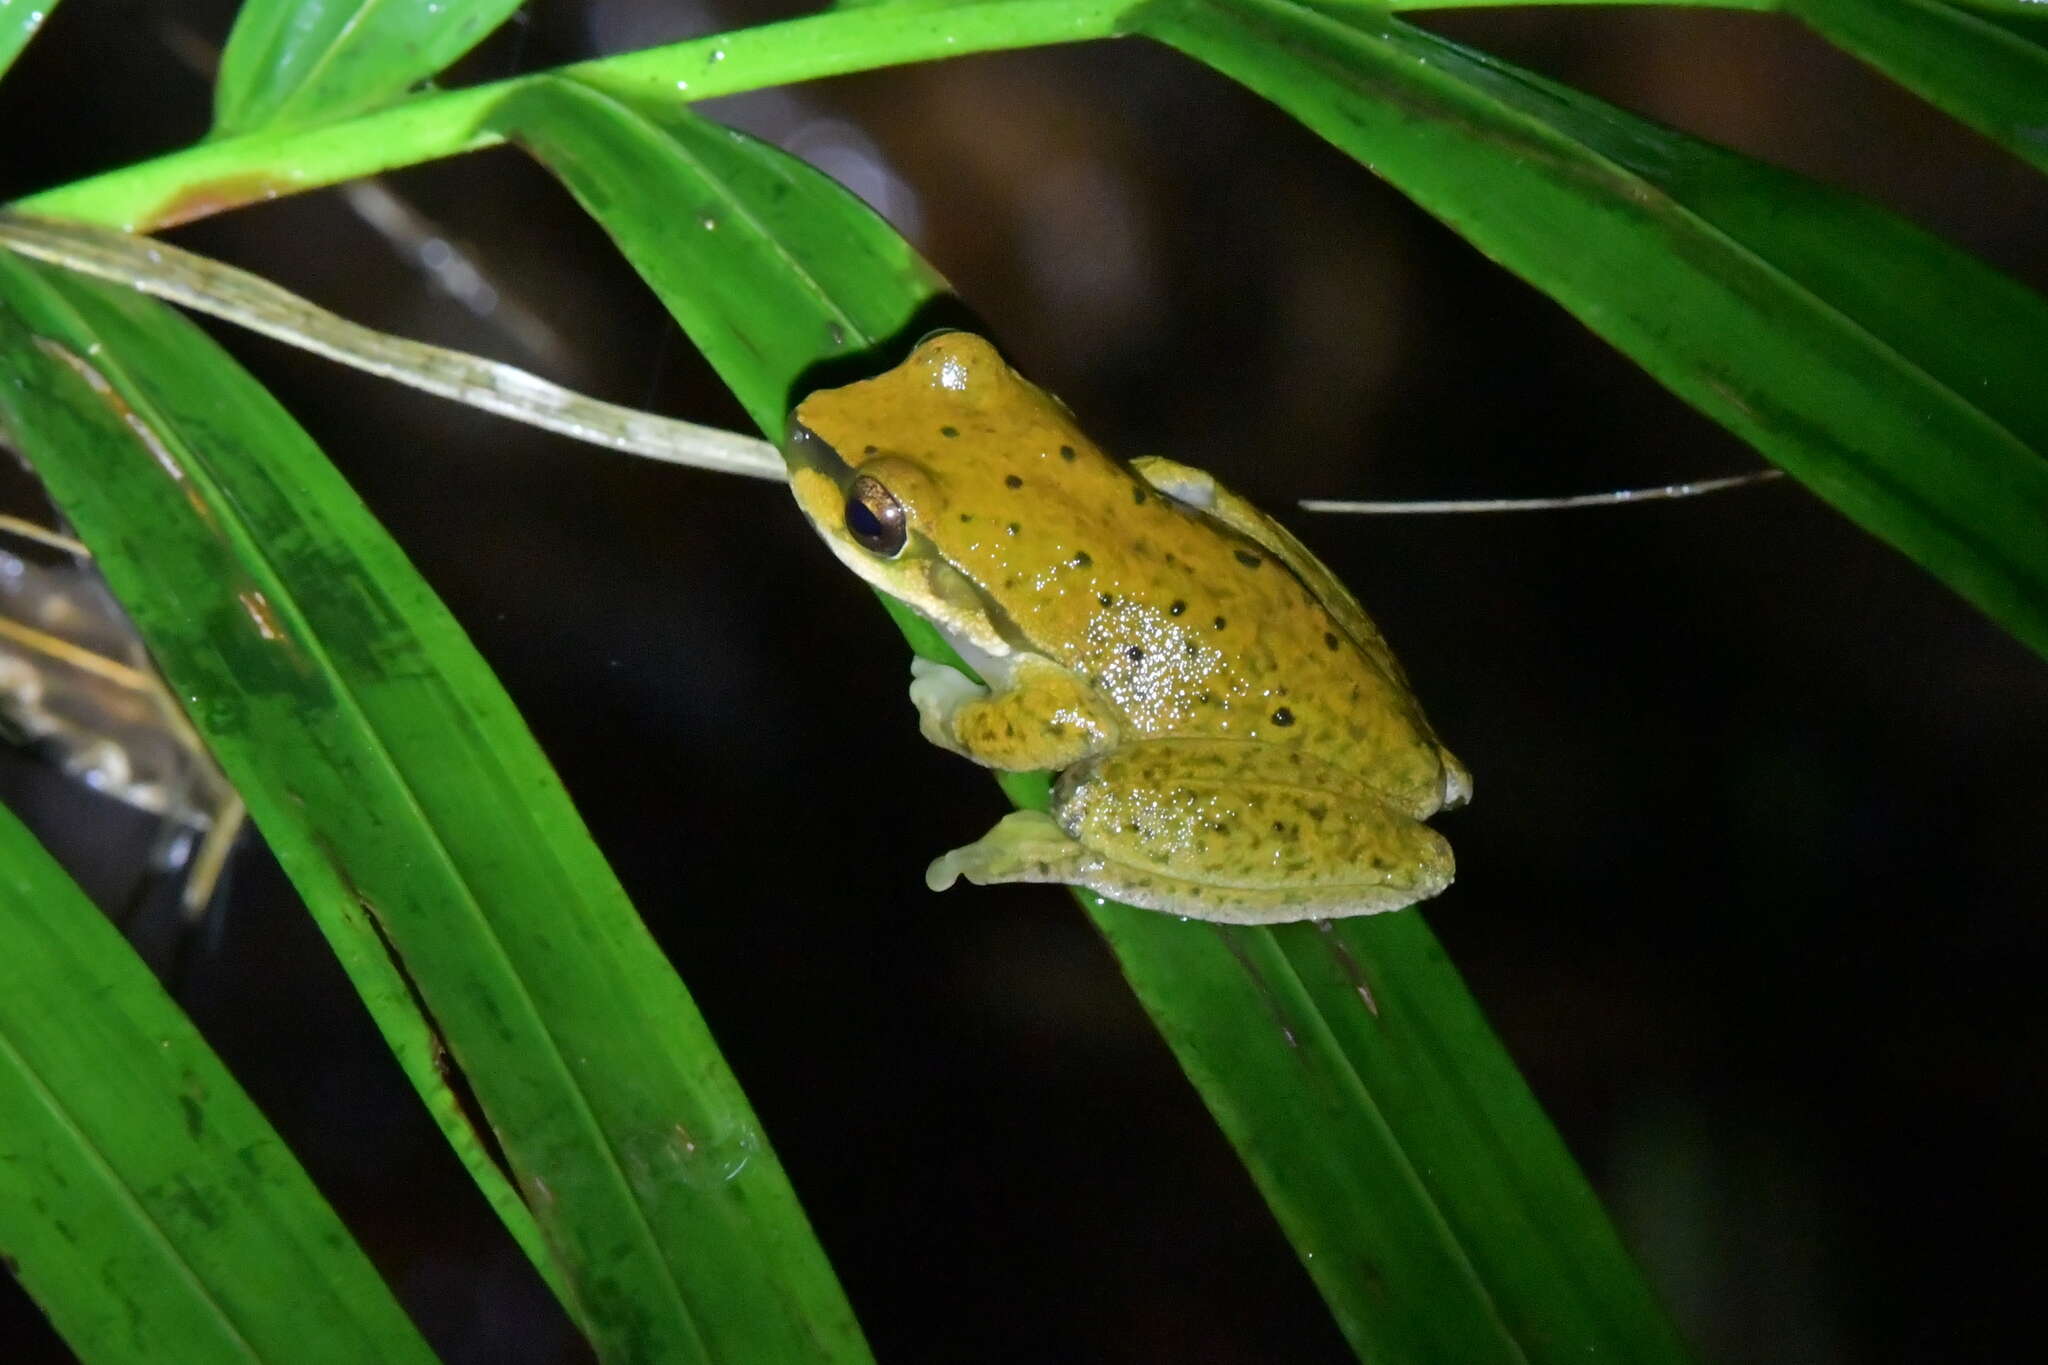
x=1191 y=628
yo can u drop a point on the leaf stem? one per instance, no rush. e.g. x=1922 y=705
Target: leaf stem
x=212 y=176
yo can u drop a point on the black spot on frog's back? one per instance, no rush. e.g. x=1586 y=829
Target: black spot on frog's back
x=1248 y=559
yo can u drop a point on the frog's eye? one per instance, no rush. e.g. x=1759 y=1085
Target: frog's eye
x=875 y=517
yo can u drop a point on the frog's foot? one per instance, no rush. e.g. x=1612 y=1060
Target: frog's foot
x=1024 y=846
x=1041 y=717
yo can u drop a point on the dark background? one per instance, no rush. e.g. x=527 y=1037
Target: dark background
x=1751 y=886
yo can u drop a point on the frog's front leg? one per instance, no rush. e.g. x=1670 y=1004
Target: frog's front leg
x=1228 y=830
x=1038 y=714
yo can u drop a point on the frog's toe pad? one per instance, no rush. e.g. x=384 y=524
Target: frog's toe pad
x=937 y=691
x=1024 y=846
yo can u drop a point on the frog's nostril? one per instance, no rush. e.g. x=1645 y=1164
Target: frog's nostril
x=802 y=439
x=805 y=446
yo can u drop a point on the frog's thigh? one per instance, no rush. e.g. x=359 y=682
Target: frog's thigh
x=1041 y=717
x=1244 y=832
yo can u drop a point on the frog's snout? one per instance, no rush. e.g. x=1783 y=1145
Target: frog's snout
x=804 y=449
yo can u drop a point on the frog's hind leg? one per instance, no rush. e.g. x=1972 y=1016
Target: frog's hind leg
x=1218 y=830
x=1029 y=846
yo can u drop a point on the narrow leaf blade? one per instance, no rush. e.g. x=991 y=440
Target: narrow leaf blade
x=289 y=63
x=144 y=1202
x=20 y=21
x=1428 y=1195
x=1993 y=78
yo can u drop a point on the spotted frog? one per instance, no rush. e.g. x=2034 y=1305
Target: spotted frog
x=1233 y=739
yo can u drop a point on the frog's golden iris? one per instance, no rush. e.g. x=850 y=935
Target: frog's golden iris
x=1232 y=737
x=874 y=517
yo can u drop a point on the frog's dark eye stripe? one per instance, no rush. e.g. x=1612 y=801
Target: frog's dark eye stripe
x=874 y=517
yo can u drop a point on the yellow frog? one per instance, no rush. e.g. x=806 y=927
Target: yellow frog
x=1234 y=740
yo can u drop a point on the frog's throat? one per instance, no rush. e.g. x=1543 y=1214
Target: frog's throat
x=992 y=669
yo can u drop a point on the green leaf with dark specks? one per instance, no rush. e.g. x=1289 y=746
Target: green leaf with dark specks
x=144 y=1202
